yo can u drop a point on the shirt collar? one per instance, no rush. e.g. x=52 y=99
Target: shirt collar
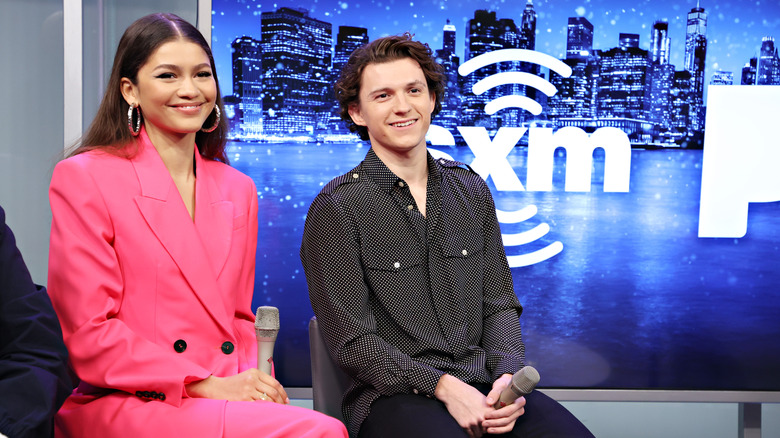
x=378 y=172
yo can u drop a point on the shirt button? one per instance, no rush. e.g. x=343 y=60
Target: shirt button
x=410 y=207
x=464 y=252
x=415 y=391
x=179 y=346
x=355 y=175
x=227 y=347
x=400 y=183
x=397 y=265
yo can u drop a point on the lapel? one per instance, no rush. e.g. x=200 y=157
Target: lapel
x=213 y=216
x=188 y=243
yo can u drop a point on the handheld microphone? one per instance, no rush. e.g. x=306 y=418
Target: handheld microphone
x=266 y=329
x=523 y=382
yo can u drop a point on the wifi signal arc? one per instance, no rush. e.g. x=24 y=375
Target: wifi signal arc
x=507 y=78
x=536 y=233
x=522 y=55
x=514 y=77
x=516 y=101
x=513 y=101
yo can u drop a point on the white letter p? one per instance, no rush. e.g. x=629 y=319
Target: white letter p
x=741 y=162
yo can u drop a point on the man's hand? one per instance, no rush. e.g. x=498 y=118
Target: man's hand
x=465 y=403
x=502 y=420
x=249 y=385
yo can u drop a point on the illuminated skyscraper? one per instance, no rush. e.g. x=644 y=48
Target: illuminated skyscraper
x=449 y=117
x=528 y=27
x=659 y=88
x=448 y=40
x=348 y=39
x=660 y=77
x=695 y=54
x=659 y=43
x=528 y=41
x=749 y=72
x=296 y=66
x=627 y=40
x=579 y=38
x=484 y=34
x=576 y=95
x=247 y=87
x=682 y=107
x=621 y=86
x=768 y=70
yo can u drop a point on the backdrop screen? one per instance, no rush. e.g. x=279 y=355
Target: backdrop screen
x=632 y=153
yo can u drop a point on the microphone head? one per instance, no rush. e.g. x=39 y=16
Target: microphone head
x=267 y=320
x=525 y=380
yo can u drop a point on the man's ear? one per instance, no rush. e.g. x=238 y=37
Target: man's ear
x=129 y=91
x=354 y=113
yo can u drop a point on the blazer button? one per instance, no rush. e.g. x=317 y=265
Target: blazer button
x=179 y=346
x=227 y=347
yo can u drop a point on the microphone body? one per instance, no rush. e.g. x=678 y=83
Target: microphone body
x=266 y=329
x=523 y=382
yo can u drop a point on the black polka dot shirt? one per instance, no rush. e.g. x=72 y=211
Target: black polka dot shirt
x=403 y=298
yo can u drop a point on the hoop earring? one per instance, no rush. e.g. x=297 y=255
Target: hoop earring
x=130 y=112
x=216 y=121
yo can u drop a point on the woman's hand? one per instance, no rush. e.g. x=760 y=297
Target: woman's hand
x=249 y=385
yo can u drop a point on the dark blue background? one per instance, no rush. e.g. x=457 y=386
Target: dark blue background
x=635 y=299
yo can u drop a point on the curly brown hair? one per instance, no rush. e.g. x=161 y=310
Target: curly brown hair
x=379 y=51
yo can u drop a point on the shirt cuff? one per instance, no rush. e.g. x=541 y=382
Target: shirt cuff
x=423 y=380
x=507 y=365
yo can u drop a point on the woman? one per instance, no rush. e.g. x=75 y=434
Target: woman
x=151 y=264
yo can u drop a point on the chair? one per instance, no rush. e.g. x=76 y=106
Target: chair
x=328 y=381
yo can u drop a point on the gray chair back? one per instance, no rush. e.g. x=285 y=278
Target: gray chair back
x=328 y=381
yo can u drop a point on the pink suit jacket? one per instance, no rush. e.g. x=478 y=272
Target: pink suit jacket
x=149 y=299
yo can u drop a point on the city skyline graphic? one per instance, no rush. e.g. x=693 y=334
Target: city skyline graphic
x=735 y=28
x=281 y=72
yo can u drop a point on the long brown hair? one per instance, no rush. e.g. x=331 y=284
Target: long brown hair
x=109 y=130
x=379 y=51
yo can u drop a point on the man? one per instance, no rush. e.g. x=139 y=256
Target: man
x=34 y=379
x=407 y=273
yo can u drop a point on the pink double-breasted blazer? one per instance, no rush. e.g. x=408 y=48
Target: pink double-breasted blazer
x=150 y=299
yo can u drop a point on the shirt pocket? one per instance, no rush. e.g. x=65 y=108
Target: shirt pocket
x=389 y=259
x=397 y=281
x=463 y=263
x=463 y=244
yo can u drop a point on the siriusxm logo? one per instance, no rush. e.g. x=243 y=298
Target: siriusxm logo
x=490 y=155
x=741 y=157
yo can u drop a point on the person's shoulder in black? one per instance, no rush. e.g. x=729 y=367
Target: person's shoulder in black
x=34 y=379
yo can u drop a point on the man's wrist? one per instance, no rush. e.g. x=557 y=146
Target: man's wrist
x=444 y=386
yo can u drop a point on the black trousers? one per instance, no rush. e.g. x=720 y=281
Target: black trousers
x=411 y=416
